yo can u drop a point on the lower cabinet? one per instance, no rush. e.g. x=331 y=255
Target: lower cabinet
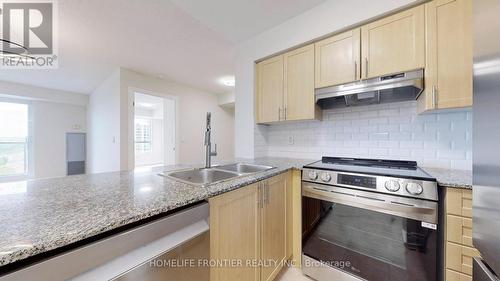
x=248 y=231
x=459 y=249
x=273 y=226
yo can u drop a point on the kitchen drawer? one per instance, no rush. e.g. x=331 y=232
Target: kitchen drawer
x=459 y=258
x=456 y=276
x=459 y=230
x=459 y=202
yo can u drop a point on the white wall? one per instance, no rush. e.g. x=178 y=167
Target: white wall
x=51 y=122
x=110 y=121
x=390 y=131
x=103 y=122
x=54 y=113
x=22 y=91
x=192 y=105
x=227 y=99
x=323 y=19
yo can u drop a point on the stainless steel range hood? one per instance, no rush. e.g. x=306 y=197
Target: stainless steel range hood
x=391 y=88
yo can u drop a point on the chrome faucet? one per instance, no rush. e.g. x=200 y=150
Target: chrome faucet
x=208 y=143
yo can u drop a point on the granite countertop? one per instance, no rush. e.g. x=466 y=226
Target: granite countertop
x=37 y=216
x=451 y=178
x=41 y=215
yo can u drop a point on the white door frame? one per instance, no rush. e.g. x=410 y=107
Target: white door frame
x=131 y=115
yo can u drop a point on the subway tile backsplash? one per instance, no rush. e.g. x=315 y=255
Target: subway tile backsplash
x=389 y=131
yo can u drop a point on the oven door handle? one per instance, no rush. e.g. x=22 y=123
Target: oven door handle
x=421 y=210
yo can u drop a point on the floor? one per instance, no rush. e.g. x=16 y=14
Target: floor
x=292 y=274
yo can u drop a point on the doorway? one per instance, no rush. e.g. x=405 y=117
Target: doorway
x=75 y=153
x=154 y=130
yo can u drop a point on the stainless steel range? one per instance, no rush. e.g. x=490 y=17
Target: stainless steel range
x=369 y=219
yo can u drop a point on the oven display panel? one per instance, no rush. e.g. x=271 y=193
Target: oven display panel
x=367 y=182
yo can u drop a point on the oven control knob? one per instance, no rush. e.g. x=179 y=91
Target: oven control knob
x=414 y=188
x=312 y=175
x=392 y=185
x=326 y=177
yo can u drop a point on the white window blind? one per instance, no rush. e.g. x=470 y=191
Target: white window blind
x=143 y=132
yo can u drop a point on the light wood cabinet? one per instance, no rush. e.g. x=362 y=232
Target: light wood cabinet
x=393 y=44
x=270 y=83
x=251 y=225
x=337 y=59
x=300 y=103
x=459 y=257
x=235 y=233
x=273 y=226
x=459 y=202
x=285 y=87
x=448 y=72
x=456 y=276
x=458 y=234
x=459 y=230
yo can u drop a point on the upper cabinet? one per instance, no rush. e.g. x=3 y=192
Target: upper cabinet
x=285 y=87
x=393 y=44
x=270 y=90
x=299 y=85
x=448 y=72
x=337 y=59
x=436 y=36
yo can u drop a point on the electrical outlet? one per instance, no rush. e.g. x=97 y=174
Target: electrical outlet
x=290 y=140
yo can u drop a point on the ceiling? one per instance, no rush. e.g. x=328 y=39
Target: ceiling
x=189 y=41
x=238 y=20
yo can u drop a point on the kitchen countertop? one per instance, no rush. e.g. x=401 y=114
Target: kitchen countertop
x=37 y=216
x=45 y=214
x=451 y=178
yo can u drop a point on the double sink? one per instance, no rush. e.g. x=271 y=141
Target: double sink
x=205 y=176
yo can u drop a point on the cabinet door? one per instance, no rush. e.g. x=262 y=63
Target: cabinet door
x=273 y=224
x=270 y=90
x=448 y=72
x=235 y=233
x=299 y=84
x=338 y=59
x=393 y=44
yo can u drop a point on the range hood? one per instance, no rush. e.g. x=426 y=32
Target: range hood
x=391 y=88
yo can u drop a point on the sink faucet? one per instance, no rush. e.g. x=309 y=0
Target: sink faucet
x=208 y=143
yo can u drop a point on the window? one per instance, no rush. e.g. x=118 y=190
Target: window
x=143 y=135
x=13 y=139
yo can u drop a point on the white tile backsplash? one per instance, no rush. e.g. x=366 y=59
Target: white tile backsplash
x=389 y=131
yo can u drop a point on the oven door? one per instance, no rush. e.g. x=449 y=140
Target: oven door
x=357 y=235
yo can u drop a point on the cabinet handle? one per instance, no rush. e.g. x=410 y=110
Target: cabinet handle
x=355 y=70
x=366 y=67
x=279 y=113
x=434 y=96
x=285 y=114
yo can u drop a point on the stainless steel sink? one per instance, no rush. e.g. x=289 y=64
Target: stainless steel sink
x=243 y=168
x=204 y=176
x=201 y=176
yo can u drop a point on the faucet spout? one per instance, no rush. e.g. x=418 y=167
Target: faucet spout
x=208 y=143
